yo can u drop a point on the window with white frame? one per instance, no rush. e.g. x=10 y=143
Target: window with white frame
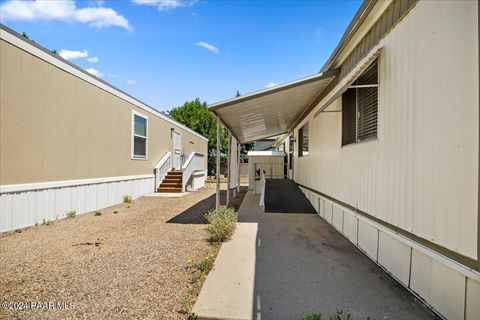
x=303 y=144
x=360 y=107
x=139 y=135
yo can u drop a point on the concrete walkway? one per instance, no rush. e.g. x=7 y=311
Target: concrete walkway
x=301 y=265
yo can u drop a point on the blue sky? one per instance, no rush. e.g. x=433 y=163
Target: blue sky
x=165 y=52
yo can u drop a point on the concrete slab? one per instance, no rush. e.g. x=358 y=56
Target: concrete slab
x=304 y=265
x=281 y=266
x=228 y=291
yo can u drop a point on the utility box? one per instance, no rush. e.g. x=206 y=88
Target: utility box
x=271 y=162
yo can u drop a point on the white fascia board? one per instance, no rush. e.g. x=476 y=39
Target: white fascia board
x=84 y=75
x=67 y=183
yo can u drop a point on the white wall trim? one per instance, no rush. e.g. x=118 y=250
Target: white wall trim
x=67 y=183
x=84 y=75
x=132 y=154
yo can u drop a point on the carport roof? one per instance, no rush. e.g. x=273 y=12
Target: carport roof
x=273 y=111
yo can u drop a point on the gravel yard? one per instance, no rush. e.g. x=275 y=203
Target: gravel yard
x=128 y=262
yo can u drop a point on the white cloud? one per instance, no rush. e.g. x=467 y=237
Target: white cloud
x=131 y=81
x=95 y=72
x=94 y=16
x=93 y=59
x=207 y=46
x=113 y=75
x=164 y=5
x=271 y=84
x=72 y=54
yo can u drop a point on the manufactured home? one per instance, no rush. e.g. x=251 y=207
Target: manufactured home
x=384 y=142
x=70 y=141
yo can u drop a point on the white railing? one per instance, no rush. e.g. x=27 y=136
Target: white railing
x=162 y=168
x=194 y=162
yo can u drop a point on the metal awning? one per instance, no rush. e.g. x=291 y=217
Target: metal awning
x=273 y=111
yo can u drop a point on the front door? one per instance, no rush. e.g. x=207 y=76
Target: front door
x=177 y=150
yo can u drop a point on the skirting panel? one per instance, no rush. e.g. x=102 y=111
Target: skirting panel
x=450 y=289
x=24 y=208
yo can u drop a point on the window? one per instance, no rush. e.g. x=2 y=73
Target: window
x=139 y=136
x=303 y=143
x=360 y=107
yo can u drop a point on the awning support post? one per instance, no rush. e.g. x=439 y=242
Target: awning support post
x=228 y=166
x=217 y=171
x=238 y=166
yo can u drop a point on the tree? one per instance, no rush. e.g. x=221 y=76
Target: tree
x=195 y=115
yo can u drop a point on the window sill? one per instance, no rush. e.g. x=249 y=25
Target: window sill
x=359 y=142
x=139 y=158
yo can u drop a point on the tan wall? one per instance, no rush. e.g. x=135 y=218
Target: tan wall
x=421 y=174
x=55 y=126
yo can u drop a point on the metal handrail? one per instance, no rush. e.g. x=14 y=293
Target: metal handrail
x=194 y=162
x=162 y=168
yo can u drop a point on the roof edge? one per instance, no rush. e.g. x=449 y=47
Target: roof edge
x=352 y=28
x=280 y=87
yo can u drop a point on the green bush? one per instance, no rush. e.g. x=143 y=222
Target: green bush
x=341 y=315
x=312 y=316
x=127 y=198
x=71 y=214
x=222 y=223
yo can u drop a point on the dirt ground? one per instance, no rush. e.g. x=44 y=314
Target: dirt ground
x=127 y=263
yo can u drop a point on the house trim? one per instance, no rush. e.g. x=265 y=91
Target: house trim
x=12 y=188
x=133 y=156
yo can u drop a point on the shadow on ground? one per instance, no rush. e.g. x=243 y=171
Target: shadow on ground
x=194 y=214
x=303 y=265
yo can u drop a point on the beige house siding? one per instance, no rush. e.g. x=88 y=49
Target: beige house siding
x=55 y=126
x=421 y=174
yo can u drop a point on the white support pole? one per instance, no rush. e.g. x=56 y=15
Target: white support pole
x=238 y=166
x=234 y=189
x=228 y=166
x=217 y=171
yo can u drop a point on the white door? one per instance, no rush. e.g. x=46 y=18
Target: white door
x=177 y=150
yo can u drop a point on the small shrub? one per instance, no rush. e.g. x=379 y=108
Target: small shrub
x=46 y=222
x=127 y=198
x=202 y=265
x=222 y=223
x=312 y=316
x=192 y=316
x=341 y=315
x=115 y=212
x=71 y=214
x=98 y=213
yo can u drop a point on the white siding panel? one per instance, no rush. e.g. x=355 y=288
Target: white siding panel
x=321 y=204
x=442 y=287
x=25 y=208
x=473 y=300
x=421 y=173
x=394 y=256
x=368 y=239
x=337 y=218
x=350 y=225
x=328 y=211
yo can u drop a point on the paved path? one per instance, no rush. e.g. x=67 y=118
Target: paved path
x=303 y=265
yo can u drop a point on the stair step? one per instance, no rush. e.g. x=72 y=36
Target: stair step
x=171 y=184
x=173 y=178
x=169 y=189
